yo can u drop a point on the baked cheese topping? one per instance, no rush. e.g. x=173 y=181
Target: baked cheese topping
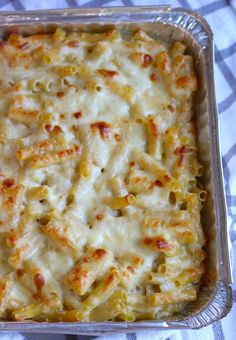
x=99 y=198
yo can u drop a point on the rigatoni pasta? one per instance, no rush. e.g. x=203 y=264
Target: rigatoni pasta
x=99 y=195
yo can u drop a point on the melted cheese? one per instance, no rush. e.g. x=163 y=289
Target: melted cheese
x=105 y=115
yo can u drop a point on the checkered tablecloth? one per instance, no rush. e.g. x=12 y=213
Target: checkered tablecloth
x=221 y=16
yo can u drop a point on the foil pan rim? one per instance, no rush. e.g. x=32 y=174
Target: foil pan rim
x=192 y=23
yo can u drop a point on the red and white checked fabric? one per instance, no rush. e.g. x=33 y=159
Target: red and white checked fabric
x=221 y=15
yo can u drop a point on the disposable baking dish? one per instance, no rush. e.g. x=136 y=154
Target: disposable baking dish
x=215 y=298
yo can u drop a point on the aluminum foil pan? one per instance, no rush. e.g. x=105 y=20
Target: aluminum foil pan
x=215 y=298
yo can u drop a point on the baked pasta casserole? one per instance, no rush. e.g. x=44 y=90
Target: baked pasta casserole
x=100 y=199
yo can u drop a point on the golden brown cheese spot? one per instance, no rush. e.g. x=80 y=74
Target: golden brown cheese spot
x=117 y=137
x=77 y=115
x=153 y=127
x=57 y=130
x=108 y=73
x=47 y=159
x=131 y=269
x=76 y=148
x=99 y=217
x=39 y=282
x=159 y=243
x=189 y=82
x=182 y=152
x=163 y=61
x=138 y=260
x=140 y=179
x=86 y=259
x=53 y=129
x=73 y=43
x=142 y=59
x=24 y=116
x=110 y=279
x=12 y=238
x=167 y=178
x=11 y=199
x=3 y=286
x=17 y=256
x=20 y=272
x=99 y=254
x=84 y=273
x=8 y=182
x=158 y=183
x=79 y=274
x=147 y=60
x=60 y=94
x=153 y=77
x=59 y=235
x=104 y=129
x=35 y=149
